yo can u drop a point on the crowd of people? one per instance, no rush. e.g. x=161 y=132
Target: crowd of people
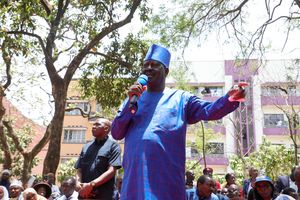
x=256 y=187
x=37 y=189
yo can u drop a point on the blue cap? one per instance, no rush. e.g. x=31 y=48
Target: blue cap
x=263 y=178
x=158 y=53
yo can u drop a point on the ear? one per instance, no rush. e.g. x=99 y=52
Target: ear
x=166 y=71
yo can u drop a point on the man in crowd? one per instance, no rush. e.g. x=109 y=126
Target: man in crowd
x=209 y=172
x=189 y=181
x=68 y=189
x=286 y=181
x=203 y=191
x=5 y=179
x=50 y=179
x=248 y=184
x=154 y=154
x=98 y=163
x=15 y=190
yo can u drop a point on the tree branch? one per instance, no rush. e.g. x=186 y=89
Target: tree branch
x=40 y=40
x=105 y=31
x=7 y=60
x=121 y=62
x=13 y=136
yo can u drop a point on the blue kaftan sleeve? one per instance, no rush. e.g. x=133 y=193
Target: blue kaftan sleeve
x=197 y=109
x=121 y=122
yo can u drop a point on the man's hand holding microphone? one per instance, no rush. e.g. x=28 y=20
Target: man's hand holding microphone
x=135 y=91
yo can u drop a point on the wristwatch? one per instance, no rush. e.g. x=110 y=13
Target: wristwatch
x=93 y=184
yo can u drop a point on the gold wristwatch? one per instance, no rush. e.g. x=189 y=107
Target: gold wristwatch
x=93 y=184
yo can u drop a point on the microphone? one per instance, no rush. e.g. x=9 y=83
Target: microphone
x=143 y=80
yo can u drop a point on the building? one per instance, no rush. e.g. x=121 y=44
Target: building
x=19 y=121
x=242 y=131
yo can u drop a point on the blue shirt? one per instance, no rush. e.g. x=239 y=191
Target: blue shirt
x=192 y=194
x=154 y=152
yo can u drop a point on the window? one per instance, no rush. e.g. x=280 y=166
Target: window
x=274 y=120
x=279 y=90
x=215 y=148
x=75 y=136
x=292 y=90
x=191 y=152
x=212 y=91
x=84 y=106
x=270 y=91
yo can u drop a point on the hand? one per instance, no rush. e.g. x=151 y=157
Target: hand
x=78 y=186
x=237 y=93
x=86 y=190
x=136 y=89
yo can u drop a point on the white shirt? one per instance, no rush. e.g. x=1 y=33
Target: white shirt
x=74 y=196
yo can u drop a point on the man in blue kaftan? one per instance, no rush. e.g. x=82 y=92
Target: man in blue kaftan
x=154 y=154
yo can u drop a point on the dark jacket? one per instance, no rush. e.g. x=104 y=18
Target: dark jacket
x=281 y=183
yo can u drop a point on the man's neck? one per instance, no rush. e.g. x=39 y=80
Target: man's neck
x=101 y=139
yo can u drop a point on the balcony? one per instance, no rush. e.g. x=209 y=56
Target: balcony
x=215 y=159
x=276 y=131
x=279 y=100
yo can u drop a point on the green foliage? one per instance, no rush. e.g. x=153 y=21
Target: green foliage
x=66 y=169
x=194 y=165
x=269 y=159
x=181 y=76
x=108 y=79
x=25 y=135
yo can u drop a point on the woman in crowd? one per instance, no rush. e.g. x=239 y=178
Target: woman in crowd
x=264 y=189
x=3 y=193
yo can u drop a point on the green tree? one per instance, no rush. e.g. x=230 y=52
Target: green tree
x=61 y=37
x=22 y=160
x=195 y=21
x=66 y=170
x=271 y=160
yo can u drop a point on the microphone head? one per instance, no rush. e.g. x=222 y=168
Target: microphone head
x=143 y=79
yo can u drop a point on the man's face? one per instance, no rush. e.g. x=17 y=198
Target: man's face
x=5 y=176
x=14 y=191
x=100 y=128
x=205 y=189
x=50 y=178
x=231 y=179
x=233 y=192
x=67 y=188
x=155 y=71
x=253 y=173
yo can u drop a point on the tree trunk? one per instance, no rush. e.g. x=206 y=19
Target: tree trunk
x=27 y=166
x=56 y=127
x=7 y=164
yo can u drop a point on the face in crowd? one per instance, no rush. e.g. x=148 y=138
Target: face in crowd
x=101 y=128
x=205 y=186
x=264 y=189
x=15 y=191
x=68 y=187
x=233 y=192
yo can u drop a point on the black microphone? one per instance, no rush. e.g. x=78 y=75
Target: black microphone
x=143 y=80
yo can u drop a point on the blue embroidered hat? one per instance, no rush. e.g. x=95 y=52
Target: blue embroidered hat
x=158 y=53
